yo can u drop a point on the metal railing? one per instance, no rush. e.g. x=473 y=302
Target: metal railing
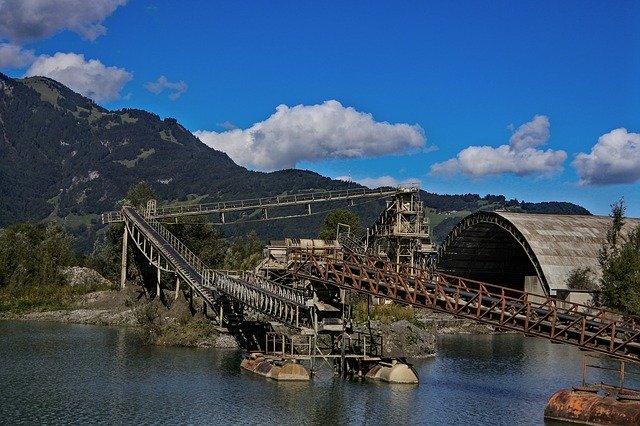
x=257 y=203
x=596 y=329
x=272 y=299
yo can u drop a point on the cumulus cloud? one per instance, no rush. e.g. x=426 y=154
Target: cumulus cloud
x=24 y=20
x=162 y=83
x=313 y=133
x=90 y=78
x=13 y=56
x=615 y=158
x=519 y=157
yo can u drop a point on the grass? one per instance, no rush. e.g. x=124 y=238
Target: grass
x=39 y=298
x=386 y=314
x=126 y=118
x=132 y=163
x=47 y=94
x=184 y=331
x=168 y=136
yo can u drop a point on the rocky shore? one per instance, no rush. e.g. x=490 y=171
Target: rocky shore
x=174 y=326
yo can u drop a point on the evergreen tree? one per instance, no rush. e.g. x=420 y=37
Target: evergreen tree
x=620 y=262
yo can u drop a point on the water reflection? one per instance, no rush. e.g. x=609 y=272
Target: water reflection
x=61 y=374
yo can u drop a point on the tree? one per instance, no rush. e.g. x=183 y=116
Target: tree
x=620 y=262
x=244 y=253
x=343 y=216
x=139 y=194
x=582 y=279
x=34 y=254
x=203 y=239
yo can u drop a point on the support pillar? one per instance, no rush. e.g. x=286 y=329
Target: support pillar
x=177 y=288
x=123 y=267
x=158 y=281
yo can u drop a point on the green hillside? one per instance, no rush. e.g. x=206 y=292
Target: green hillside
x=64 y=158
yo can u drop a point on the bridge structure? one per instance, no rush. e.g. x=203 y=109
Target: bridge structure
x=222 y=294
x=589 y=328
x=307 y=294
x=265 y=204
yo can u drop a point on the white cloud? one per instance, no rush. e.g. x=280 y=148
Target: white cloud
x=162 y=83
x=23 y=20
x=313 y=133
x=13 y=56
x=90 y=78
x=519 y=157
x=615 y=158
x=377 y=182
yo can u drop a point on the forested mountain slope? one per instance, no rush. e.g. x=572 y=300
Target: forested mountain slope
x=63 y=157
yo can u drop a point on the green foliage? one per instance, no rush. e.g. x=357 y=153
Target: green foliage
x=209 y=244
x=620 y=263
x=107 y=253
x=387 y=313
x=203 y=239
x=139 y=194
x=582 y=279
x=185 y=331
x=411 y=339
x=621 y=276
x=31 y=297
x=32 y=260
x=243 y=253
x=340 y=216
x=33 y=254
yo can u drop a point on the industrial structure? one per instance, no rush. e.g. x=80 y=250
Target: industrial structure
x=532 y=252
x=302 y=283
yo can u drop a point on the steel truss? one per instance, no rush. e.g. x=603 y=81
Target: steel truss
x=589 y=328
x=168 y=253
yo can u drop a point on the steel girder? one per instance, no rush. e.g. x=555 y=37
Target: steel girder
x=590 y=328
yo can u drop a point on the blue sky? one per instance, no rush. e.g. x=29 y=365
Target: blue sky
x=539 y=101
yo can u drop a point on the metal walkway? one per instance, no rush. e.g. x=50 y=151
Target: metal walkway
x=167 y=253
x=589 y=328
x=259 y=203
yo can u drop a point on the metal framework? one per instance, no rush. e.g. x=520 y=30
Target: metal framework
x=493 y=219
x=256 y=203
x=598 y=330
x=168 y=253
x=401 y=233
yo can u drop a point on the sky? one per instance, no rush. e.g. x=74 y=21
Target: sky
x=535 y=100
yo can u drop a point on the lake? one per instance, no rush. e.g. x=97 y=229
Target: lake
x=61 y=373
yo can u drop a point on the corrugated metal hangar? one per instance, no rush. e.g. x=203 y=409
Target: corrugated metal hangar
x=532 y=252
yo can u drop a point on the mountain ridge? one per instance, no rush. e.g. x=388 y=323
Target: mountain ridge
x=63 y=157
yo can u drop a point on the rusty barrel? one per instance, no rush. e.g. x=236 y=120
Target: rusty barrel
x=594 y=406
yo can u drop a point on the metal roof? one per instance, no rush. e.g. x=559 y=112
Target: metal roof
x=555 y=244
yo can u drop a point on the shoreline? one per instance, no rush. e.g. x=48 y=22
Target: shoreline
x=175 y=326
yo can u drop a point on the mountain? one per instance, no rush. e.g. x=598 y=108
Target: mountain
x=65 y=158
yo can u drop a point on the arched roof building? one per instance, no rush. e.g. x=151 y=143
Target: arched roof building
x=505 y=248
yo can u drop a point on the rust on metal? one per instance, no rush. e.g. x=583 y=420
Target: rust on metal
x=276 y=369
x=594 y=406
x=595 y=329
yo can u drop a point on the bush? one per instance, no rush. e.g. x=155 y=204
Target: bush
x=387 y=313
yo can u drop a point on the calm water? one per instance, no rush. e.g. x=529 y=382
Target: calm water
x=60 y=374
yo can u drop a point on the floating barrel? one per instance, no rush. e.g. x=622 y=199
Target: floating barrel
x=274 y=369
x=593 y=405
x=393 y=371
